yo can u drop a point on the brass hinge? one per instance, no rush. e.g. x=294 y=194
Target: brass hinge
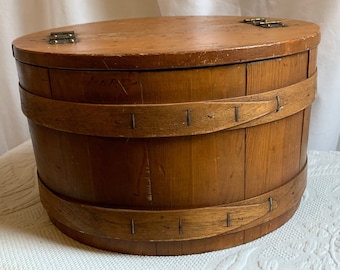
x=62 y=37
x=263 y=22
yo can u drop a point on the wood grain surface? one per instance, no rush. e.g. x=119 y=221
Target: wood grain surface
x=165 y=68
x=166 y=43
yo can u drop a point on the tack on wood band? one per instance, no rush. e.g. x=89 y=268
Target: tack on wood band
x=173 y=225
x=168 y=120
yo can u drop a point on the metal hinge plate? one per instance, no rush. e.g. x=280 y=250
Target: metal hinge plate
x=265 y=23
x=62 y=37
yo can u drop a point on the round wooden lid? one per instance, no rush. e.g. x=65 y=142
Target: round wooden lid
x=166 y=43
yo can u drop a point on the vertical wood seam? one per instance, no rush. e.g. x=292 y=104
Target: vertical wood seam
x=50 y=83
x=301 y=137
x=245 y=142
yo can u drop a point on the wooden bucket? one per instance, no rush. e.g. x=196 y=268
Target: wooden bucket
x=171 y=135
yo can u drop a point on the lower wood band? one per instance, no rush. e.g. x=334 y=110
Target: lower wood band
x=173 y=225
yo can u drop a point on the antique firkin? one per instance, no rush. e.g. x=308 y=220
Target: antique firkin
x=170 y=135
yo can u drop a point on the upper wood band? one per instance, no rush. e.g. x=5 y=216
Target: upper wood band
x=168 y=120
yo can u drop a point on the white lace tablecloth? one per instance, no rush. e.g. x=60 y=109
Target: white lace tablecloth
x=28 y=240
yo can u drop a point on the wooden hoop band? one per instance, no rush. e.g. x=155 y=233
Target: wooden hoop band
x=168 y=120
x=173 y=225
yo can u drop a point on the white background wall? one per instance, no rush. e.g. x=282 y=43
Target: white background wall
x=19 y=17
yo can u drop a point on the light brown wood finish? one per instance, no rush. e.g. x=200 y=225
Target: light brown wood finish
x=175 y=225
x=280 y=152
x=161 y=62
x=166 y=43
x=170 y=119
